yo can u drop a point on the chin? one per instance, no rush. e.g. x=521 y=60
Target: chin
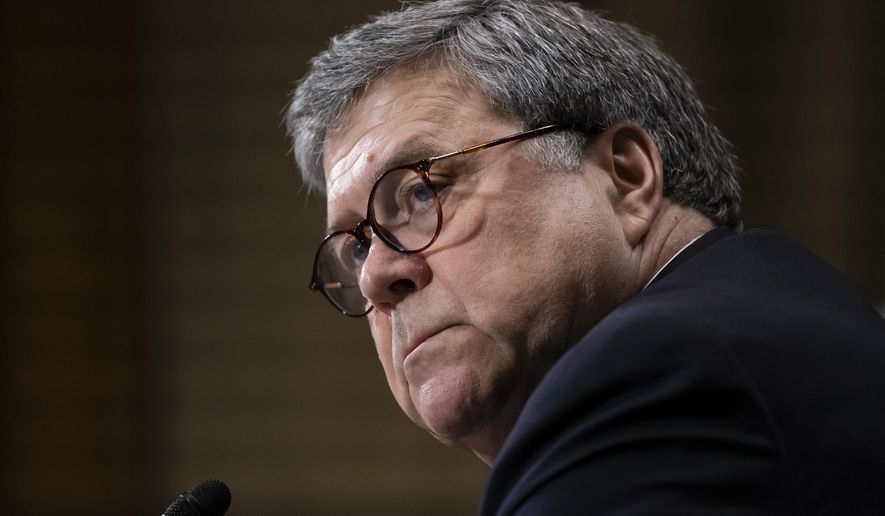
x=480 y=430
x=456 y=409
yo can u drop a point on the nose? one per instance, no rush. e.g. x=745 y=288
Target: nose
x=388 y=276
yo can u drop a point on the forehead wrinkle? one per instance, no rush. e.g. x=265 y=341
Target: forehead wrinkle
x=368 y=124
x=340 y=182
x=360 y=154
x=389 y=97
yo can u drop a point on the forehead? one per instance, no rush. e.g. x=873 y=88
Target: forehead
x=405 y=115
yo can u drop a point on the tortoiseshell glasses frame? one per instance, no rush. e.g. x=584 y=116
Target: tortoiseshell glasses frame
x=404 y=211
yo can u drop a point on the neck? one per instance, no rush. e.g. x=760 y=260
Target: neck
x=672 y=230
x=488 y=440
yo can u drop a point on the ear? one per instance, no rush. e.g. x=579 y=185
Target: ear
x=630 y=158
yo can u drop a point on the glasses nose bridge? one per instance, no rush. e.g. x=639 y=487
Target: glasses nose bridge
x=363 y=232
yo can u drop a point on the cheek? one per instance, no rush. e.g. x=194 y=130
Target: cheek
x=521 y=263
x=379 y=325
x=513 y=245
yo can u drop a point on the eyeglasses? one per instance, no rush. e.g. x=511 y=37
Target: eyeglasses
x=404 y=211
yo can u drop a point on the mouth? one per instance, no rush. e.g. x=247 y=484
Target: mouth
x=421 y=338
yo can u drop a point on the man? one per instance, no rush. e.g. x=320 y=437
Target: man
x=531 y=207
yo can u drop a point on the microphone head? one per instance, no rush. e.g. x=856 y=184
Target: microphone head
x=209 y=498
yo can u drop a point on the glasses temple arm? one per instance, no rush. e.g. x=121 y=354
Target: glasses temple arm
x=499 y=141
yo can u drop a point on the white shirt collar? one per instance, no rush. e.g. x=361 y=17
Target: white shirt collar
x=655 y=275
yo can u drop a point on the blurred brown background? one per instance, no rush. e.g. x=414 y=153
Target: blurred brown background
x=156 y=243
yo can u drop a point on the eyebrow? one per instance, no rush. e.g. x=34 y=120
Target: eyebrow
x=410 y=152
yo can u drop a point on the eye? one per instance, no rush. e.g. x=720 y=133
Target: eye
x=415 y=196
x=356 y=251
x=402 y=197
x=351 y=253
x=421 y=194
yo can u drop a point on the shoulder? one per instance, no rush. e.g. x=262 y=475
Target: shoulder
x=681 y=382
x=643 y=352
x=643 y=398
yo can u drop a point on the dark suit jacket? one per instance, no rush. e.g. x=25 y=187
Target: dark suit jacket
x=750 y=379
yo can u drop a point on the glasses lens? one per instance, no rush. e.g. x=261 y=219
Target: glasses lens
x=338 y=267
x=405 y=210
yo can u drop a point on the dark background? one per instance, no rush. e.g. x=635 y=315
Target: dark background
x=156 y=243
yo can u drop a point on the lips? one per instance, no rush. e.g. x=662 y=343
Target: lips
x=413 y=343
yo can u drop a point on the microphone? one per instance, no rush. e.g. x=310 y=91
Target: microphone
x=209 y=498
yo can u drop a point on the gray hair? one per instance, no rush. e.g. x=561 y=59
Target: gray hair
x=541 y=62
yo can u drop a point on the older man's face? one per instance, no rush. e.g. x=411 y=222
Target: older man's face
x=521 y=269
